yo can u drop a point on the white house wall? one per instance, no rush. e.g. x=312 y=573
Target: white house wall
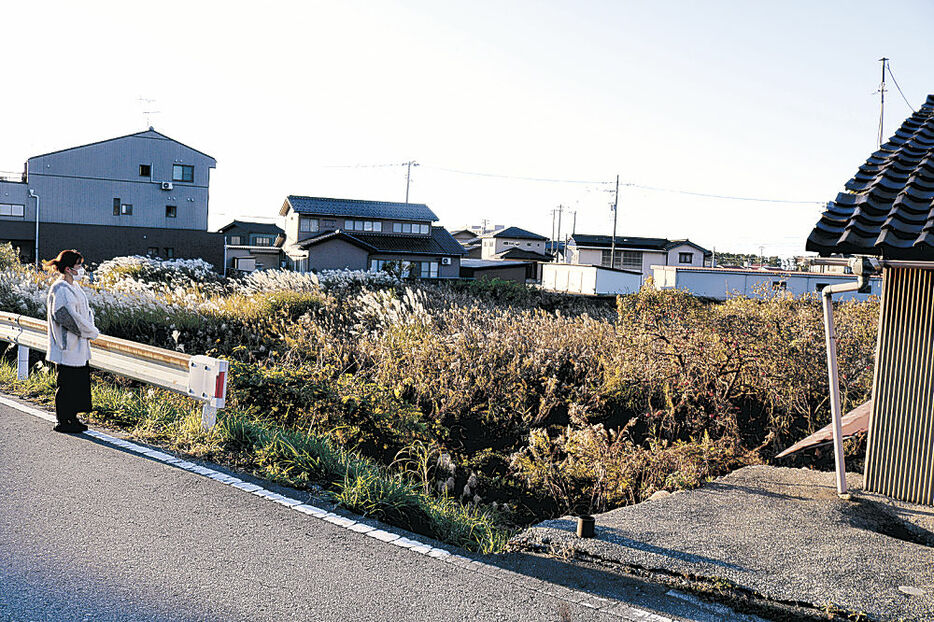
x=720 y=284
x=591 y=280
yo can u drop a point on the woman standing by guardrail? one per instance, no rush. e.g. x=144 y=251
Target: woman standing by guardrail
x=71 y=327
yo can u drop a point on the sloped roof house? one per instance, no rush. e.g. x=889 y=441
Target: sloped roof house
x=326 y=233
x=886 y=212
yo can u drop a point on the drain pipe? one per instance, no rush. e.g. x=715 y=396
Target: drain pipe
x=862 y=268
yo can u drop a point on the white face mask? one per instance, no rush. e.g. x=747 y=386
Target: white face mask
x=79 y=273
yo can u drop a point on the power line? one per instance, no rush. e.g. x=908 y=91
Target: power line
x=892 y=75
x=544 y=179
x=591 y=182
x=366 y=165
x=722 y=196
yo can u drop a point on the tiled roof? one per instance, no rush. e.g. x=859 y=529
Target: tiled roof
x=352 y=208
x=655 y=244
x=581 y=239
x=439 y=243
x=520 y=253
x=887 y=208
x=517 y=233
x=252 y=227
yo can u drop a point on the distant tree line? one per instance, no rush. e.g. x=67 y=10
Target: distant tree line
x=742 y=259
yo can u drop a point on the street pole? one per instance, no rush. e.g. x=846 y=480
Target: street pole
x=33 y=194
x=560 y=209
x=613 y=240
x=408 y=177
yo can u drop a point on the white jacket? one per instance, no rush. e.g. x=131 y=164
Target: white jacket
x=66 y=347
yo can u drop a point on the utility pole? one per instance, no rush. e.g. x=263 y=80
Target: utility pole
x=560 y=209
x=882 y=60
x=408 y=177
x=567 y=238
x=613 y=239
x=551 y=242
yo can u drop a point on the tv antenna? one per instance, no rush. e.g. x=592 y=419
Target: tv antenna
x=881 y=93
x=147 y=103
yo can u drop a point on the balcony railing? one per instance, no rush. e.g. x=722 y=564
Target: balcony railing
x=19 y=178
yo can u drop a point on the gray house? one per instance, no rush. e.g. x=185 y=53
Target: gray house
x=513 y=238
x=250 y=246
x=141 y=194
x=327 y=234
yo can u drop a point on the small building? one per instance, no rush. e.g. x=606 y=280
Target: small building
x=140 y=194
x=250 y=246
x=516 y=271
x=589 y=280
x=632 y=253
x=886 y=211
x=470 y=241
x=512 y=238
x=327 y=234
x=721 y=283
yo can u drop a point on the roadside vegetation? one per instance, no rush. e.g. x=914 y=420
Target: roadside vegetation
x=465 y=410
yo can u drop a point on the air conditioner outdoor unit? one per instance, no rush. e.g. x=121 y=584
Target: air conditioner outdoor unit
x=445 y=261
x=166 y=185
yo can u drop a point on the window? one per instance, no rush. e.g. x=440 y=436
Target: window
x=170 y=211
x=126 y=209
x=235 y=240
x=169 y=252
x=378 y=226
x=820 y=287
x=397 y=227
x=379 y=265
x=623 y=259
x=145 y=170
x=262 y=240
x=632 y=259
x=13 y=210
x=415 y=269
x=425 y=229
x=779 y=286
x=685 y=257
x=407 y=227
x=183 y=172
x=329 y=224
x=152 y=251
x=308 y=225
x=116 y=207
x=429 y=269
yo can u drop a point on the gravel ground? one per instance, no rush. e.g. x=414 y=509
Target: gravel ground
x=782 y=533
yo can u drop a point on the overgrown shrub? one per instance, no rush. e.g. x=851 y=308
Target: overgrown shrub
x=536 y=402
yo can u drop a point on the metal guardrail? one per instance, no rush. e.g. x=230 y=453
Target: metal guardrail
x=203 y=378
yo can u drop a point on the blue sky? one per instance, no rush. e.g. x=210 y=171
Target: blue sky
x=746 y=99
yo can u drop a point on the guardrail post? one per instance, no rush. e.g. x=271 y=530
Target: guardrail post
x=208 y=416
x=22 y=362
x=207 y=381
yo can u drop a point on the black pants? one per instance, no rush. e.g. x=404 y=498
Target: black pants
x=73 y=394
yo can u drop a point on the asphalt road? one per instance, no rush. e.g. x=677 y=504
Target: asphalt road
x=89 y=531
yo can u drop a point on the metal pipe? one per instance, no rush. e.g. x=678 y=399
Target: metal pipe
x=835 y=406
x=32 y=193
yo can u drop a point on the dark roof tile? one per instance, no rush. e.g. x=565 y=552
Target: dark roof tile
x=439 y=243
x=516 y=232
x=353 y=208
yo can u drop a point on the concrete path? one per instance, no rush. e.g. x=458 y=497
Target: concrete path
x=781 y=533
x=90 y=530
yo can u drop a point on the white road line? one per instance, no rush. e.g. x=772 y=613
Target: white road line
x=384 y=533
